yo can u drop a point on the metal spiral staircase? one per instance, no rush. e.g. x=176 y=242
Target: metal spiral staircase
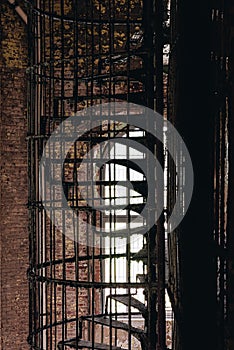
x=117 y=313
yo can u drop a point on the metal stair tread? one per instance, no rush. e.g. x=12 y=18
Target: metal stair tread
x=124 y=299
x=123 y=232
x=80 y=344
x=106 y=321
x=137 y=207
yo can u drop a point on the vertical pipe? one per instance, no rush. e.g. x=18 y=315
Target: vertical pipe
x=160 y=237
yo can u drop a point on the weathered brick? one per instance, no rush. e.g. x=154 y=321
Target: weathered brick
x=13 y=176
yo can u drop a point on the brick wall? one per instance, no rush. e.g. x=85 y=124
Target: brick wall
x=13 y=179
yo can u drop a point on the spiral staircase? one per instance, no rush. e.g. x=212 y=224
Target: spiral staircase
x=136 y=63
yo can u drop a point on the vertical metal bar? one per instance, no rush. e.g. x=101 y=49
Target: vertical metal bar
x=160 y=236
x=230 y=203
x=29 y=146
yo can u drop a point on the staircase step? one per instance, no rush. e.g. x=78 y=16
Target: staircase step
x=107 y=321
x=141 y=187
x=135 y=164
x=138 y=208
x=85 y=344
x=124 y=299
x=124 y=232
